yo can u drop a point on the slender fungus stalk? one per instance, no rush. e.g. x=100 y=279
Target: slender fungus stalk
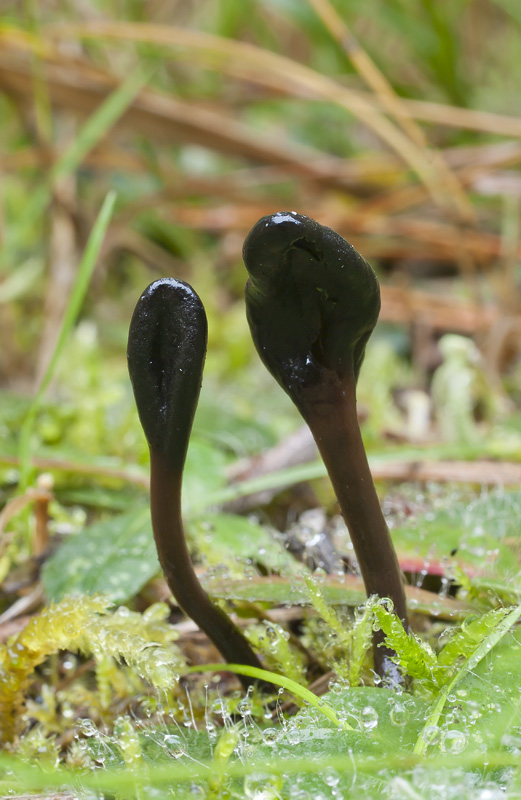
x=312 y=302
x=166 y=353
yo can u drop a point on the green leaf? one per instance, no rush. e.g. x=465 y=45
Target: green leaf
x=414 y=656
x=280 y=590
x=226 y=538
x=220 y=423
x=482 y=534
x=483 y=712
x=384 y=723
x=321 y=705
x=349 y=592
x=485 y=638
x=492 y=719
x=116 y=557
x=97 y=496
x=204 y=474
x=79 y=290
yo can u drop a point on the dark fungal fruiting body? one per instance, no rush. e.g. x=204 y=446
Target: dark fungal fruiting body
x=312 y=302
x=166 y=354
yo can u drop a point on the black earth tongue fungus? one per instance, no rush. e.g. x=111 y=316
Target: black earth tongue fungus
x=166 y=353
x=312 y=302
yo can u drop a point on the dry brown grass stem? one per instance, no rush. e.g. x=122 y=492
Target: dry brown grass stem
x=406 y=237
x=390 y=101
x=472 y=165
x=471 y=119
x=79 y=87
x=276 y=72
x=104 y=156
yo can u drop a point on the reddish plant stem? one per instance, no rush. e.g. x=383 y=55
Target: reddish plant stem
x=330 y=411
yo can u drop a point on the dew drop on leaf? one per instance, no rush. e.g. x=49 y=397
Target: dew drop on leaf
x=331 y=776
x=454 y=742
x=369 y=718
x=431 y=734
x=398 y=715
x=270 y=736
x=293 y=734
x=295 y=793
x=261 y=786
x=88 y=728
x=244 y=707
x=174 y=744
x=211 y=730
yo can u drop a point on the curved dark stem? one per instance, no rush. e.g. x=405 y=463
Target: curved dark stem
x=167 y=523
x=334 y=425
x=312 y=302
x=166 y=352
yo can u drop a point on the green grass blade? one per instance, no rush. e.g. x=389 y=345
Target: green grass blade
x=88 y=136
x=22 y=777
x=79 y=290
x=316 y=469
x=101 y=121
x=485 y=646
x=279 y=680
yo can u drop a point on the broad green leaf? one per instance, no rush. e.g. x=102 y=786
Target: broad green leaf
x=384 y=723
x=102 y=497
x=115 y=557
x=483 y=711
x=488 y=702
x=480 y=536
x=204 y=473
x=118 y=556
x=280 y=590
x=228 y=539
x=218 y=423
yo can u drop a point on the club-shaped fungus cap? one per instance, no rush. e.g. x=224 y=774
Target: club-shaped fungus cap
x=166 y=353
x=312 y=300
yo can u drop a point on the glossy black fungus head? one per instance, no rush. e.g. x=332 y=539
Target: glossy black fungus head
x=166 y=353
x=312 y=301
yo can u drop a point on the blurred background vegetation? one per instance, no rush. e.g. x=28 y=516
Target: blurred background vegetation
x=395 y=122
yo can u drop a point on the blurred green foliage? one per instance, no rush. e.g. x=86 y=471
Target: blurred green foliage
x=184 y=204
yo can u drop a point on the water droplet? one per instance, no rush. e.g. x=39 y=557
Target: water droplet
x=261 y=786
x=295 y=793
x=369 y=718
x=454 y=742
x=293 y=734
x=174 y=744
x=435 y=609
x=491 y=794
x=270 y=736
x=87 y=727
x=244 y=707
x=431 y=734
x=211 y=730
x=218 y=706
x=398 y=715
x=331 y=776
x=338 y=686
